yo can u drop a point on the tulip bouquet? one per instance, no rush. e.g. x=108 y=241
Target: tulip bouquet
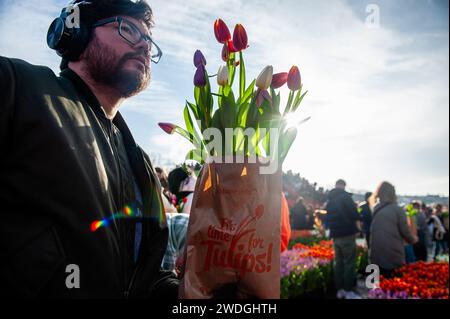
x=252 y=115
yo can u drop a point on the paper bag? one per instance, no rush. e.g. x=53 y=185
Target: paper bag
x=234 y=233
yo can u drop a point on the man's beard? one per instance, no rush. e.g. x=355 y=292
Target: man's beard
x=106 y=68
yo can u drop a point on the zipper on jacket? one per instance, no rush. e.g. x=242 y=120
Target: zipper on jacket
x=130 y=284
x=120 y=203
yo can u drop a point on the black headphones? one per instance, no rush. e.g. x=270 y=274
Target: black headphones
x=68 y=41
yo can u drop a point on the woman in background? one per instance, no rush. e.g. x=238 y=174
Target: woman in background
x=389 y=229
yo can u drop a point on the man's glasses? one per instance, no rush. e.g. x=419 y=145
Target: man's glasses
x=133 y=35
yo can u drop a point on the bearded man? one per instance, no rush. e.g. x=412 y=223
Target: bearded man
x=81 y=212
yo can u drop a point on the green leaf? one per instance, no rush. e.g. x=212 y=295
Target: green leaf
x=232 y=68
x=242 y=115
x=197 y=138
x=297 y=104
x=286 y=142
x=241 y=75
x=228 y=108
x=194 y=110
x=289 y=103
x=184 y=134
x=247 y=94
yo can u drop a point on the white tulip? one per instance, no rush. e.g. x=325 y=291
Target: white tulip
x=222 y=76
x=265 y=78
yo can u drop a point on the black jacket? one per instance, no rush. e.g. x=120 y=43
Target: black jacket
x=63 y=165
x=341 y=214
x=366 y=217
x=298 y=217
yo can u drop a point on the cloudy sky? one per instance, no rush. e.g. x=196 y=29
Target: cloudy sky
x=379 y=96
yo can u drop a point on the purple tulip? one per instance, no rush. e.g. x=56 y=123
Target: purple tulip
x=200 y=76
x=199 y=58
x=262 y=95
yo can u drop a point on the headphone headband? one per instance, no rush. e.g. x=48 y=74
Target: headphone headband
x=67 y=35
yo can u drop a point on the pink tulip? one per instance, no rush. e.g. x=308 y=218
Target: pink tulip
x=169 y=128
x=279 y=79
x=221 y=31
x=225 y=53
x=262 y=95
x=294 y=79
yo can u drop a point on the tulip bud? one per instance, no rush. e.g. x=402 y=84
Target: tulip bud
x=200 y=76
x=265 y=78
x=279 y=79
x=199 y=58
x=225 y=53
x=240 y=40
x=222 y=76
x=294 y=79
x=169 y=128
x=221 y=31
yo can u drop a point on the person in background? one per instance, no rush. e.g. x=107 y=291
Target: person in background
x=177 y=224
x=420 y=247
x=164 y=181
x=437 y=231
x=298 y=215
x=389 y=230
x=166 y=196
x=285 y=225
x=443 y=217
x=341 y=217
x=187 y=189
x=310 y=217
x=366 y=217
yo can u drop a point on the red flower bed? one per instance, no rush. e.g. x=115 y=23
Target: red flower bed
x=322 y=250
x=420 y=280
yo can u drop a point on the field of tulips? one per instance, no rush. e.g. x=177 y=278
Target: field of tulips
x=306 y=270
x=421 y=280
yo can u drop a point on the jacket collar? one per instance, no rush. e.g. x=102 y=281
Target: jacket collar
x=93 y=102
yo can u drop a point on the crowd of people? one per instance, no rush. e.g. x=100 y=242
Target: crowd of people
x=395 y=235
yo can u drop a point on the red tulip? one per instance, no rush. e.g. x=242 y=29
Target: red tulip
x=231 y=47
x=169 y=128
x=279 y=79
x=294 y=79
x=240 y=40
x=221 y=31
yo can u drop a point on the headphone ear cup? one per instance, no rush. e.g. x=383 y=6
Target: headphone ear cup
x=78 y=42
x=56 y=34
